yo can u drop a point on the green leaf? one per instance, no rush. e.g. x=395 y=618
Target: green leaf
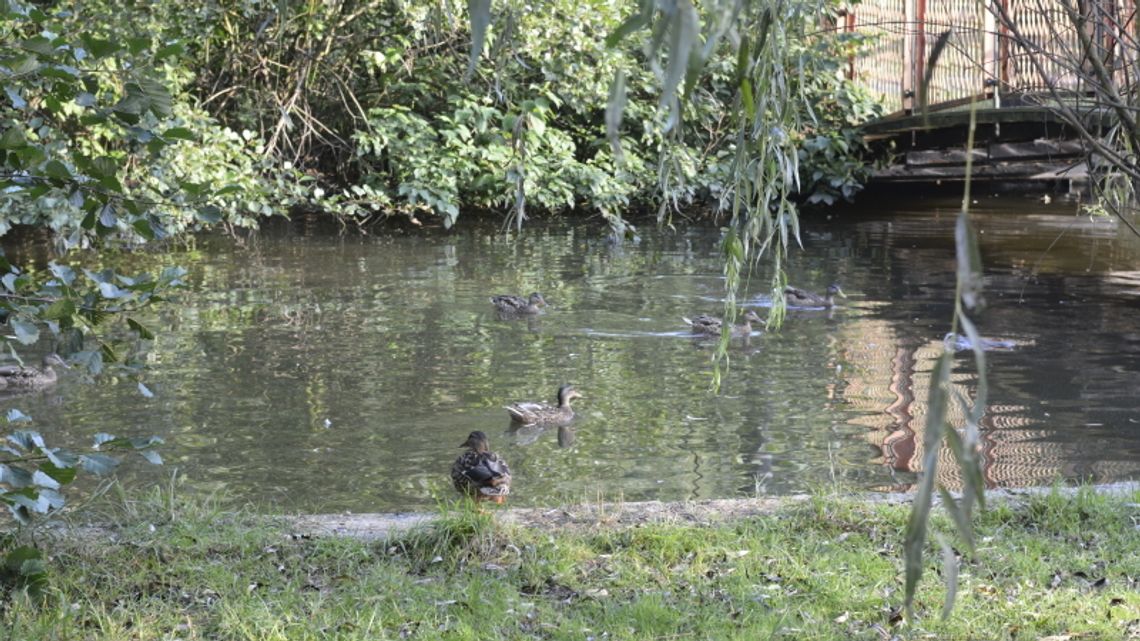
x=159 y=101
x=743 y=60
x=143 y=332
x=170 y=50
x=747 y=99
x=13 y=138
x=143 y=228
x=950 y=573
x=38 y=44
x=98 y=464
x=27 y=333
x=44 y=480
x=56 y=169
x=98 y=47
x=537 y=125
x=633 y=23
x=16 y=416
x=208 y=214
x=685 y=23
x=137 y=45
x=154 y=457
x=101 y=438
x=103 y=166
x=111 y=290
x=145 y=391
x=615 y=107
x=179 y=133
x=14 y=477
x=60 y=465
x=480 y=16
x=969 y=262
x=107 y=217
x=915 y=539
x=143 y=442
x=62 y=308
x=25 y=66
x=26 y=564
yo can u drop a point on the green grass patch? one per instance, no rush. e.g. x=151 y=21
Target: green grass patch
x=826 y=569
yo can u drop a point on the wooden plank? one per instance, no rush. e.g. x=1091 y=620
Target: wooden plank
x=1003 y=171
x=940 y=119
x=934 y=157
x=1036 y=149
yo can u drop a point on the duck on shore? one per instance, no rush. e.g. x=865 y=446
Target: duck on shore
x=480 y=473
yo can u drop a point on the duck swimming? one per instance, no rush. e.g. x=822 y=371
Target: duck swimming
x=480 y=473
x=711 y=326
x=797 y=297
x=511 y=304
x=530 y=413
x=17 y=377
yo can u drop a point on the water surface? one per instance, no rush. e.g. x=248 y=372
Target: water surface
x=311 y=371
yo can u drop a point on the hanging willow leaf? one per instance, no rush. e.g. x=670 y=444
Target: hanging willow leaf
x=636 y=22
x=615 y=107
x=480 y=15
x=950 y=572
x=920 y=514
x=685 y=30
x=928 y=74
x=969 y=264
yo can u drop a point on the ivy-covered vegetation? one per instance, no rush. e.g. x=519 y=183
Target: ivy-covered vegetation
x=156 y=118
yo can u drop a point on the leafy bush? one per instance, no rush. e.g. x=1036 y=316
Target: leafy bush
x=32 y=478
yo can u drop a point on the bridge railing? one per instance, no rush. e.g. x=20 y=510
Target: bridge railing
x=993 y=47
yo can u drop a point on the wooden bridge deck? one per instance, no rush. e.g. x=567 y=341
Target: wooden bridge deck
x=1008 y=55
x=1011 y=143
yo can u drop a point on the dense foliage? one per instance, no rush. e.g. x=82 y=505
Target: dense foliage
x=167 y=116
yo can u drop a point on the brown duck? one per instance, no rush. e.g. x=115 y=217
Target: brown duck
x=516 y=305
x=480 y=473
x=17 y=377
x=711 y=326
x=531 y=413
x=797 y=297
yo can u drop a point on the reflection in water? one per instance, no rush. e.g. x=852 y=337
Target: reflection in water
x=317 y=372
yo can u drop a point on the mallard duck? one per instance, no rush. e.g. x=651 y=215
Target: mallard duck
x=528 y=413
x=803 y=298
x=510 y=304
x=16 y=377
x=957 y=342
x=480 y=473
x=711 y=325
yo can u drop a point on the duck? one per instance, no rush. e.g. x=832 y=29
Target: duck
x=530 y=413
x=18 y=377
x=797 y=297
x=517 y=305
x=480 y=473
x=957 y=342
x=711 y=325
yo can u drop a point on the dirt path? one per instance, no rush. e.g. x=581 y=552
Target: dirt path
x=589 y=516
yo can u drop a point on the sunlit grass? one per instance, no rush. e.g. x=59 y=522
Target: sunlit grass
x=827 y=568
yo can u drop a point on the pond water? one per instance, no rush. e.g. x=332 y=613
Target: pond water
x=311 y=371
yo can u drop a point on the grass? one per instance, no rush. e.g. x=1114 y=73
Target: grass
x=1057 y=566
